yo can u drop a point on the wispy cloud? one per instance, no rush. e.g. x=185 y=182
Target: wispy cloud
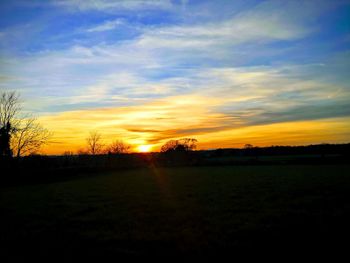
x=108 y=5
x=122 y=79
x=247 y=27
x=106 y=26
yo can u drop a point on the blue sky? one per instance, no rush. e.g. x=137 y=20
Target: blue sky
x=264 y=61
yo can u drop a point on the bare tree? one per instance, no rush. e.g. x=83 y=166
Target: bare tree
x=18 y=135
x=8 y=111
x=9 y=108
x=118 y=147
x=94 y=142
x=29 y=137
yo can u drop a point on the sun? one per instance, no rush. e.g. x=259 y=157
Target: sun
x=144 y=148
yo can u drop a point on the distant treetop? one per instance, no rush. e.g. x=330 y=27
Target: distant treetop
x=181 y=145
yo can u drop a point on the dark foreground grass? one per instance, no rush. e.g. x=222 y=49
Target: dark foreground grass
x=178 y=212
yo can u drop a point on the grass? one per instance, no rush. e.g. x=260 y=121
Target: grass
x=189 y=211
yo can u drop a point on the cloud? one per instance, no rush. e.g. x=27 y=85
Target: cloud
x=333 y=130
x=256 y=94
x=106 y=26
x=235 y=31
x=156 y=122
x=108 y=5
x=135 y=124
x=281 y=94
x=266 y=22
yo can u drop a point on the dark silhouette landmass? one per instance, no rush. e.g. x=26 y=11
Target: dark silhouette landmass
x=41 y=167
x=280 y=201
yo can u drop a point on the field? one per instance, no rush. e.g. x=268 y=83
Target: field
x=184 y=211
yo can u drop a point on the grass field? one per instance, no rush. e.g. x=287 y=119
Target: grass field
x=190 y=211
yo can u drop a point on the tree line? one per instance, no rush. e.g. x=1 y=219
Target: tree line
x=95 y=145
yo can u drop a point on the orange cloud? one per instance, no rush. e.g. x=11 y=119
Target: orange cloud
x=183 y=116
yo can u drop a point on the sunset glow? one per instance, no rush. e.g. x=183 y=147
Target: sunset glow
x=144 y=148
x=227 y=73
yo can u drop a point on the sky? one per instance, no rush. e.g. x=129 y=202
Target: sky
x=227 y=73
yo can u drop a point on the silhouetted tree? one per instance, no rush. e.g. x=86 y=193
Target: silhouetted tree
x=29 y=137
x=9 y=108
x=181 y=145
x=248 y=146
x=19 y=135
x=94 y=142
x=5 y=138
x=118 y=147
x=82 y=152
x=68 y=153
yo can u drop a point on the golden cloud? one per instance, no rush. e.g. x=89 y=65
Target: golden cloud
x=183 y=116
